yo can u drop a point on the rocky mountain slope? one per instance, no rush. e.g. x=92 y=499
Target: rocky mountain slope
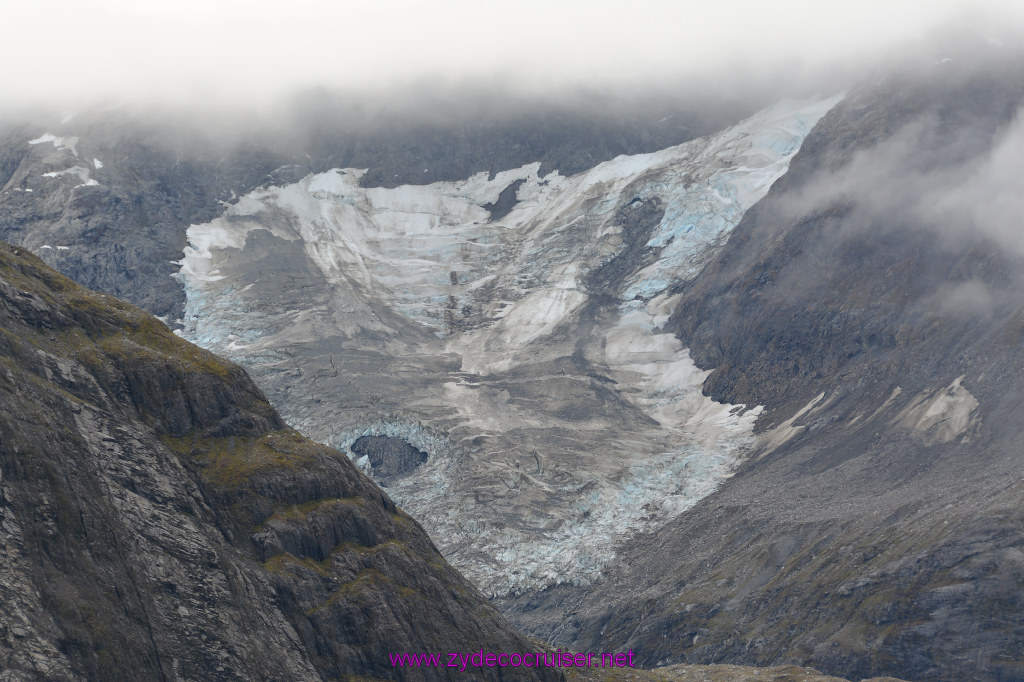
x=158 y=520
x=749 y=398
x=872 y=302
x=864 y=307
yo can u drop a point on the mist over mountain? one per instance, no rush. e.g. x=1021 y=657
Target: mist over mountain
x=198 y=56
x=875 y=527
x=681 y=330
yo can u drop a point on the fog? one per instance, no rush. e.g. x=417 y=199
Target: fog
x=247 y=55
x=959 y=177
x=990 y=198
x=361 y=83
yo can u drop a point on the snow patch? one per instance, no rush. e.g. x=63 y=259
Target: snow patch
x=942 y=416
x=785 y=432
x=197 y=263
x=81 y=172
x=69 y=143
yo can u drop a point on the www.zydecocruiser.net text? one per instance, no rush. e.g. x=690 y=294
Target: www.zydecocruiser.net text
x=479 y=659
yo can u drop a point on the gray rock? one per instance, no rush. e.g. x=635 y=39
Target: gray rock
x=878 y=530
x=158 y=521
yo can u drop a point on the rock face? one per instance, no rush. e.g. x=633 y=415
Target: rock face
x=659 y=412
x=873 y=304
x=107 y=202
x=159 y=521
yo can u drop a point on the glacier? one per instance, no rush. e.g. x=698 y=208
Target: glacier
x=525 y=354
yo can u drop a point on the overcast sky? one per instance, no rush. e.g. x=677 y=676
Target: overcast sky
x=62 y=50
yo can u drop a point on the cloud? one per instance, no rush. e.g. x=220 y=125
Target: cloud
x=989 y=198
x=962 y=299
x=922 y=186
x=953 y=178
x=208 y=50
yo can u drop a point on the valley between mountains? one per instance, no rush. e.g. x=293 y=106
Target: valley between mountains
x=523 y=354
x=735 y=389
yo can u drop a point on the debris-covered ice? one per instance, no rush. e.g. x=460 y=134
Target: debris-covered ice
x=558 y=417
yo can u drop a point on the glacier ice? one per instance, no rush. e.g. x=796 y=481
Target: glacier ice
x=558 y=418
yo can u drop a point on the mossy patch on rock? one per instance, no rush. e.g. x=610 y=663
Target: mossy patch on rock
x=230 y=461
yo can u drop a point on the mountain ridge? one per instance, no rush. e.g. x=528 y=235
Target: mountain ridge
x=160 y=521
x=834 y=328
x=876 y=528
